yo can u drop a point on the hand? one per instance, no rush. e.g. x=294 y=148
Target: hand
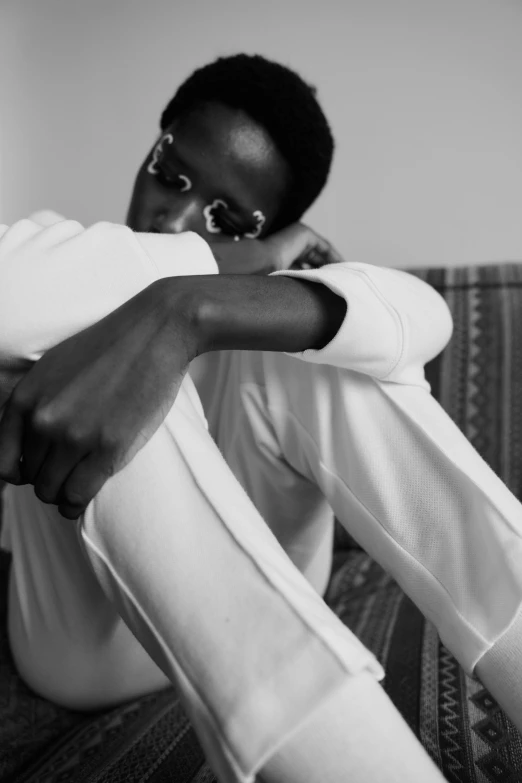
x=300 y=247
x=297 y=247
x=84 y=410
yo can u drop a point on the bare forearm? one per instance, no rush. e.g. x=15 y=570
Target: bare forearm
x=258 y=312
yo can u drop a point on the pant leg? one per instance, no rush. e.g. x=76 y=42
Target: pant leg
x=413 y=492
x=291 y=503
x=194 y=571
x=355 y=736
x=68 y=641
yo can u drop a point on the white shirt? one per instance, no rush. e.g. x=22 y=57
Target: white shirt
x=365 y=437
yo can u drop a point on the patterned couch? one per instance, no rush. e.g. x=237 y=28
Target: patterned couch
x=478 y=380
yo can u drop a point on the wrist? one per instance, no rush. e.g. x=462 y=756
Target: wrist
x=180 y=305
x=250 y=312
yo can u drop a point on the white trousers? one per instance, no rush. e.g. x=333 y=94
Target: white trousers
x=305 y=438
x=182 y=555
x=271 y=679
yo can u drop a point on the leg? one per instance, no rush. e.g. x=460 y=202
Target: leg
x=356 y=736
x=68 y=641
x=410 y=488
x=240 y=422
x=200 y=580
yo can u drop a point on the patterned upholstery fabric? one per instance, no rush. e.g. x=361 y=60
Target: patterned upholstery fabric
x=478 y=380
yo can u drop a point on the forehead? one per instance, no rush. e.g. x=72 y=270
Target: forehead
x=231 y=155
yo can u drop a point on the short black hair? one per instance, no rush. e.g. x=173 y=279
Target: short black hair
x=280 y=101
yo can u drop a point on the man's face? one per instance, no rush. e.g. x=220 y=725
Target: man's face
x=213 y=171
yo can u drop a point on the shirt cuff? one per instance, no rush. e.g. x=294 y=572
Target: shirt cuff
x=370 y=338
x=178 y=254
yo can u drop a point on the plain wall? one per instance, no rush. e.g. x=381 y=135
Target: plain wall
x=424 y=99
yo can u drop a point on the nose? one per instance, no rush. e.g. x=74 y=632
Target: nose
x=176 y=220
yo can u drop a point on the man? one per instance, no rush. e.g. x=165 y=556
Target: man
x=369 y=437
x=271 y=679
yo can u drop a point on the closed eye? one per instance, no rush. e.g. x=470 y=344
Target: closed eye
x=169 y=179
x=226 y=224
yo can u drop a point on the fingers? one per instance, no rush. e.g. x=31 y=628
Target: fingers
x=57 y=465
x=36 y=449
x=300 y=246
x=287 y=245
x=66 y=477
x=11 y=445
x=84 y=483
x=70 y=473
x=34 y=452
x=24 y=436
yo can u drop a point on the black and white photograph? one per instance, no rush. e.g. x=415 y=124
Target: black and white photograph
x=260 y=391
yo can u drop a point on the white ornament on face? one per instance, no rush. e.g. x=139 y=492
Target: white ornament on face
x=208 y=213
x=168 y=138
x=260 y=222
x=187 y=183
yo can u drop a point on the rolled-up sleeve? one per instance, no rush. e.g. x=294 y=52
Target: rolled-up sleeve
x=394 y=324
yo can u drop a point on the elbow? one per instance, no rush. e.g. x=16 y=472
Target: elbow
x=423 y=338
x=430 y=330
x=447 y=328
x=440 y=326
